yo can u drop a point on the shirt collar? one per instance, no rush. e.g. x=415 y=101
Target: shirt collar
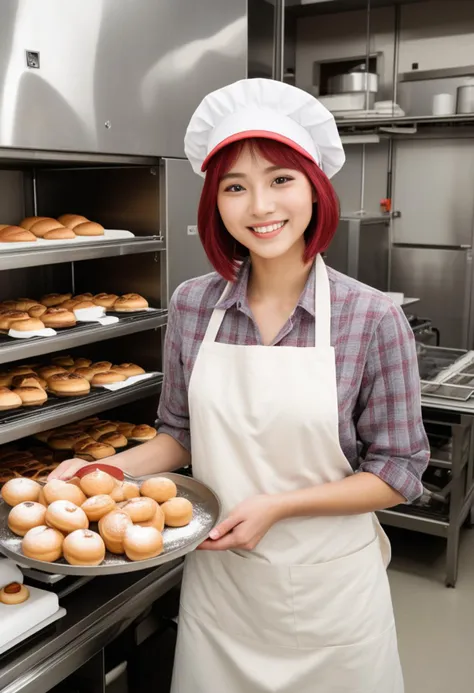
x=237 y=295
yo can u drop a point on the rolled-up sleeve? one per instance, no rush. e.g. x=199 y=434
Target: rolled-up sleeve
x=173 y=412
x=389 y=419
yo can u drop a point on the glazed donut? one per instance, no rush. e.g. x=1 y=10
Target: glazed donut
x=14 y=593
x=112 y=528
x=129 y=369
x=139 y=509
x=159 y=488
x=59 y=317
x=141 y=543
x=57 y=489
x=143 y=433
x=19 y=490
x=9 y=399
x=129 y=303
x=31 y=396
x=125 y=491
x=105 y=300
x=52 y=300
x=25 y=516
x=43 y=543
x=157 y=521
x=84 y=547
x=66 y=516
x=178 y=512
x=101 y=429
x=108 y=377
x=96 y=507
x=97 y=483
x=68 y=385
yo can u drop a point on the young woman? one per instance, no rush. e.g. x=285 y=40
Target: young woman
x=283 y=378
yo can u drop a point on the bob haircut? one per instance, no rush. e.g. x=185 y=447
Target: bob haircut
x=223 y=251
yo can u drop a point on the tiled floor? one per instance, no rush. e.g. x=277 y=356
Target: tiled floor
x=435 y=624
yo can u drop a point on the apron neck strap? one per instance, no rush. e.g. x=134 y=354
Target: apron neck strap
x=322 y=305
x=216 y=318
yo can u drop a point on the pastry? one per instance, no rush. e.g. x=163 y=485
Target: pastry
x=105 y=300
x=14 y=593
x=43 y=226
x=43 y=544
x=143 y=433
x=95 y=451
x=71 y=220
x=24 y=516
x=157 y=521
x=84 y=547
x=108 y=377
x=139 y=509
x=59 y=234
x=115 y=439
x=15 y=234
x=82 y=363
x=129 y=303
x=112 y=528
x=101 y=429
x=80 y=444
x=31 y=396
x=57 y=489
x=66 y=516
x=90 y=421
x=159 y=488
x=141 y=543
x=97 y=483
x=22 y=370
x=68 y=385
x=125 y=428
x=58 y=317
x=9 y=399
x=89 y=228
x=129 y=369
x=37 y=310
x=6 y=379
x=96 y=507
x=65 y=361
x=63 y=440
x=28 y=380
x=84 y=304
x=20 y=490
x=52 y=300
x=28 y=222
x=101 y=366
x=69 y=304
x=24 y=304
x=85 y=372
x=178 y=512
x=30 y=325
x=47 y=372
x=83 y=297
x=10 y=316
x=125 y=491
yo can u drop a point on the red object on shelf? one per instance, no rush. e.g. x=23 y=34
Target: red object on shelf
x=110 y=469
x=386 y=204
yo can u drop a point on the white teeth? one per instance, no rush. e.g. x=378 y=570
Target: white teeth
x=268 y=229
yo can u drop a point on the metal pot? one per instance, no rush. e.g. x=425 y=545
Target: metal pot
x=465 y=99
x=353 y=82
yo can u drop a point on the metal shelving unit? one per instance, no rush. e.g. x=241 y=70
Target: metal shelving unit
x=61 y=411
x=88 y=333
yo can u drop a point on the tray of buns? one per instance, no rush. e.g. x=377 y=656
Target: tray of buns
x=104 y=522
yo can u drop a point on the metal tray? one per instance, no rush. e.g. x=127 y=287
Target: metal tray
x=177 y=541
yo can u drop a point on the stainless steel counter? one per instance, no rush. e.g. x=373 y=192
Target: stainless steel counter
x=96 y=614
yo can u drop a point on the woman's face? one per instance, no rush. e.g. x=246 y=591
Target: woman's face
x=265 y=207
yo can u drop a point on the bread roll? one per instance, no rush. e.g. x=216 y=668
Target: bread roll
x=9 y=399
x=10 y=316
x=30 y=325
x=58 y=317
x=95 y=451
x=96 y=507
x=97 y=483
x=43 y=544
x=86 y=372
x=178 y=512
x=19 y=490
x=66 y=516
x=31 y=396
x=64 y=361
x=71 y=220
x=82 y=363
x=115 y=439
x=22 y=304
x=52 y=300
x=139 y=509
x=141 y=543
x=40 y=228
x=47 y=372
x=105 y=300
x=101 y=429
x=159 y=488
x=107 y=378
x=37 y=310
x=59 y=234
x=83 y=297
x=57 y=489
x=22 y=370
x=129 y=369
x=129 y=303
x=68 y=385
x=89 y=228
x=15 y=234
x=25 y=516
x=66 y=441
x=125 y=428
x=101 y=366
x=6 y=379
x=28 y=222
x=84 y=304
x=142 y=433
x=84 y=547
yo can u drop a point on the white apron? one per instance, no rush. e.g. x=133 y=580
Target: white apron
x=309 y=610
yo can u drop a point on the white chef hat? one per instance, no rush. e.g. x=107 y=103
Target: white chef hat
x=264 y=108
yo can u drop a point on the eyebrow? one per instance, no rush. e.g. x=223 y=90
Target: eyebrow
x=270 y=169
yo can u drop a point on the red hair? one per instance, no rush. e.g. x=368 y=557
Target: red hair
x=221 y=248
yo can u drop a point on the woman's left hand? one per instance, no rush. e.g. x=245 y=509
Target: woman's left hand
x=246 y=525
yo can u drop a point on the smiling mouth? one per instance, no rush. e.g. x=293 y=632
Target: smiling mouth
x=267 y=229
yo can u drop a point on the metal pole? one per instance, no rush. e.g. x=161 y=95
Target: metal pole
x=367 y=57
x=278 y=41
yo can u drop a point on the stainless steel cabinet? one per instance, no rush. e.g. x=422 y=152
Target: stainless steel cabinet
x=113 y=76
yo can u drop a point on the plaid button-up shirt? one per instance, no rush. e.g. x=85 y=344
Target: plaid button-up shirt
x=380 y=424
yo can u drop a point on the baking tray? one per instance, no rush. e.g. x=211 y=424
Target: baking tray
x=178 y=541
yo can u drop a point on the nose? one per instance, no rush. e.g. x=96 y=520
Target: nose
x=262 y=202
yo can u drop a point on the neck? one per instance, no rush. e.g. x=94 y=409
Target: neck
x=282 y=278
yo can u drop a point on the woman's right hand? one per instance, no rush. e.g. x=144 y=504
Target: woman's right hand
x=68 y=469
